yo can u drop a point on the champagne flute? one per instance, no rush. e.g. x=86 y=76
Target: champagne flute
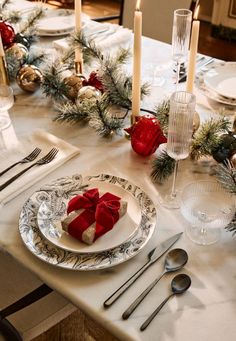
x=180 y=38
x=180 y=130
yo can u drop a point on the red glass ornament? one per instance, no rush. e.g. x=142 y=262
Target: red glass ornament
x=7 y=33
x=94 y=80
x=146 y=135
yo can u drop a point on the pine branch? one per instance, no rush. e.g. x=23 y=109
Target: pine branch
x=52 y=84
x=5 y=3
x=102 y=120
x=35 y=57
x=88 y=46
x=207 y=138
x=12 y=17
x=13 y=65
x=162 y=167
x=231 y=227
x=73 y=112
x=162 y=114
x=226 y=175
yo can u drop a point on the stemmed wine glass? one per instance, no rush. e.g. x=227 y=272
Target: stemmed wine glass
x=6 y=102
x=207 y=206
x=180 y=130
x=180 y=38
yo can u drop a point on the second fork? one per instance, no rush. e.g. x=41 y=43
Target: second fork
x=44 y=160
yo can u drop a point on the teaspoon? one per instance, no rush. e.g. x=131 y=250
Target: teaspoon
x=179 y=285
x=175 y=260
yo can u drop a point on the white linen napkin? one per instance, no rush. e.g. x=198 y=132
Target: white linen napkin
x=42 y=140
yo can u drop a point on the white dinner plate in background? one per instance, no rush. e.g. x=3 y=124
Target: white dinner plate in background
x=222 y=79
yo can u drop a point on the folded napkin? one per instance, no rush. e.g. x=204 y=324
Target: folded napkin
x=104 y=36
x=40 y=139
x=90 y=216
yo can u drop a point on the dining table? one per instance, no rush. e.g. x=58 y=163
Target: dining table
x=207 y=310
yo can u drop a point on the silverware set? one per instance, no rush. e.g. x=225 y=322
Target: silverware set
x=50 y=156
x=175 y=260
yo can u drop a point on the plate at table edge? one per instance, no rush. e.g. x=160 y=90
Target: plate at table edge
x=67 y=187
x=214 y=76
x=209 y=93
x=52 y=212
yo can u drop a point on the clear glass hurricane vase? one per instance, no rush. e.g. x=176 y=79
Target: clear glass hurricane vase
x=180 y=130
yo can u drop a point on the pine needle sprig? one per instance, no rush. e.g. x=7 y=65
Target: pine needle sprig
x=162 y=167
x=207 y=138
x=90 y=50
x=12 y=17
x=5 y=3
x=102 y=120
x=231 y=227
x=13 y=64
x=72 y=112
x=36 y=57
x=226 y=175
x=52 y=84
x=162 y=113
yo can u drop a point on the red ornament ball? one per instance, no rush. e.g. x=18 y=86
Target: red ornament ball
x=7 y=34
x=94 y=80
x=146 y=135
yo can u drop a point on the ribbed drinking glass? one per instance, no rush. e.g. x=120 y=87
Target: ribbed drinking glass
x=180 y=130
x=180 y=38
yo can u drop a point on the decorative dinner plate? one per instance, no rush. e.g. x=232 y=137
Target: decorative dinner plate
x=222 y=79
x=68 y=187
x=53 y=211
x=208 y=92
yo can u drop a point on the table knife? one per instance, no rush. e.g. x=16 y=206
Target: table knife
x=153 y=256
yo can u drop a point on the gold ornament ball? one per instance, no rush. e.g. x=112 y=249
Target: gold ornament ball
x=88 y=92
x=19 y=51
x=73 y=84
x=29 y=78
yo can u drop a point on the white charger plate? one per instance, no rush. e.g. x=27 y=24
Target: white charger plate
x=67 y=187
x=222 y=79
x=50 y=216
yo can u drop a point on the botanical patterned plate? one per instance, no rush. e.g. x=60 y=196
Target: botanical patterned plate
x=50 y=216
x=68 y=187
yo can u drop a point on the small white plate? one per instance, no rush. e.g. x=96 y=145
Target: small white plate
x=50 y=216
x=222 y=80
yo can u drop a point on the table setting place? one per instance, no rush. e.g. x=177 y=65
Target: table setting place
x=127 y=211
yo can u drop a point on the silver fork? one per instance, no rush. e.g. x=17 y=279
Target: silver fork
x=29 y=158
x=44 y=160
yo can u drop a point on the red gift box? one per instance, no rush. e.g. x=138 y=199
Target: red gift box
x=91 y=216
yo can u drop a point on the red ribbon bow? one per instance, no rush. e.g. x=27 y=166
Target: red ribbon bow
x=104 y=211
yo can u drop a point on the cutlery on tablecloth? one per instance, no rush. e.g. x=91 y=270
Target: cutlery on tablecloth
x=43 y=161
x=153 y=256
x=200 y=65
x=174 y=261
x=179 y=285
x=31 y=157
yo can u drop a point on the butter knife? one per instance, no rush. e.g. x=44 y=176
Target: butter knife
x=153 y=256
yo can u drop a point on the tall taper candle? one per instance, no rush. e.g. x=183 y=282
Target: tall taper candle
x=78 y=25
x=193 y=52
x=3 y=68
x=137 y=52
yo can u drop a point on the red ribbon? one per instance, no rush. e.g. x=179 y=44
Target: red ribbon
x=103 y=210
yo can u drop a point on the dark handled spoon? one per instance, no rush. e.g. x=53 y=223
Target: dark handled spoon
x=179 y=285
x=175 y=260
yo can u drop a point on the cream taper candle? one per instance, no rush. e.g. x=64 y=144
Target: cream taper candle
x=193 y=52
x=78 y=25
x=137 y=52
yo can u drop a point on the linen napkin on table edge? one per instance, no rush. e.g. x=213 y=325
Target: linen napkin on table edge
x=119 y=35
x=40 y=139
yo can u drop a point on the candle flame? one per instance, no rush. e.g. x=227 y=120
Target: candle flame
x=196 y=12
x=138 y=5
